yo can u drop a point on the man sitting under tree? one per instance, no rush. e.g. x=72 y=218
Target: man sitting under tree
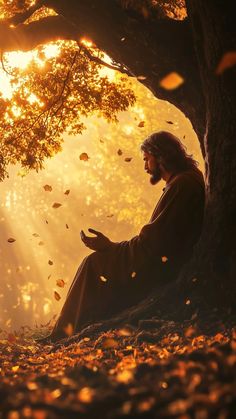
x=119 y=275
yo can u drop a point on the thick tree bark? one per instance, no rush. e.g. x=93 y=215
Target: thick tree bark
x=215 y=258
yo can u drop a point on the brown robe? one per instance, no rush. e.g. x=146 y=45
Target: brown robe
x=107 y=282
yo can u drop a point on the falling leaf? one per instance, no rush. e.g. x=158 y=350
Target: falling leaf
x=128 y=159
x=194 y=279
x=49 y=276
x=109 y=343
x=50 y=262
x=171 y=81
x=60 y=283
x=46 y=221
x=57 y=296
x=31 y=385
x=67 y=226
x=84 y=156
x=119 y=152
x=141 y=78
x=67 y=192
x=164 y=259
x=187 y=302
x=141 y=124
x=15 y=368
x=85 y=395
x=227 y=61
x=41 y=243
x=101 y=141
x=35 y=235
x=169 y=122
x=110 y=215
x=133 y=275
x=56 y=205
x=11 y=240
x=69 y=329
x=47 y=188
x=103 y=279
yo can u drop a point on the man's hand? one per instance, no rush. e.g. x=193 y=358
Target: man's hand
x=100 y=242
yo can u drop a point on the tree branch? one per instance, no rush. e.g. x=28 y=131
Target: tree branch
x=22 y=17
x=27 y=37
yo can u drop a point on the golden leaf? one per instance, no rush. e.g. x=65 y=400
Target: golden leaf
x=47 y=188
x=124 y=376
x=228 y=60
x=60 y=283
x=69 y=329
x=141 y=78
x=35 y=235
x=169 y=122
x=57 y=296
x=41 y=243
x=50 y=262
x=171 y=81
x=109 y=343
x=11 y=240
x=133 y=275
x=67 y=226
x=128 y=159
x=84 y=156
x=15 y=368
x=119 y=152
x=164 y=259
x=85 y=395
x=56 y=205
x=187 y=302
x=103 y=279
x=67 y=192
x=141 y=124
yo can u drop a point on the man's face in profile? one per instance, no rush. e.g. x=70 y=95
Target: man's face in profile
x=153 y=167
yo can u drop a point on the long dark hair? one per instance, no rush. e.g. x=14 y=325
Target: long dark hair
x=170 y=151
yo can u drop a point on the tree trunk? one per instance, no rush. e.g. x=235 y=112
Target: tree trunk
x=214 y=264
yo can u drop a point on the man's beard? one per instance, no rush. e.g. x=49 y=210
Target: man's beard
x=155 y=176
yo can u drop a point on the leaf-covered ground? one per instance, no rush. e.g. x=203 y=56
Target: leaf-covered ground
x=160 y=370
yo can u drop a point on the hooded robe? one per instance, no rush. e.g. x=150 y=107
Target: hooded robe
x=125 y=273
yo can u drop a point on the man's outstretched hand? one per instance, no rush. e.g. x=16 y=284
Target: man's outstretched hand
x=100 y=242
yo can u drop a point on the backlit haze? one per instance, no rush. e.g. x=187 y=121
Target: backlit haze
x=109 y=192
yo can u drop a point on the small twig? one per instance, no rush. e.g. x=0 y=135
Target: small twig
x=3 y=65
x=98 y=60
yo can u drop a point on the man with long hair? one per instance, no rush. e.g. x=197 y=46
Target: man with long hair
x=118 y=275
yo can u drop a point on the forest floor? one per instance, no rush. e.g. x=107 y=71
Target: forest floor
x=161 y=369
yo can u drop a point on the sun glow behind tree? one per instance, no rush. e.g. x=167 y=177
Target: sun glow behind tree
x=108 y=191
